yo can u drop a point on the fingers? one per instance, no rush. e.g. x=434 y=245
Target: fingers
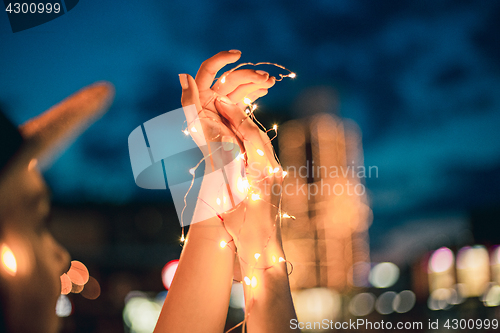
x=190 y=93
x=252 y=97
x=228 y=82
x=246 y=89
x=244 y=127
x=210 y=67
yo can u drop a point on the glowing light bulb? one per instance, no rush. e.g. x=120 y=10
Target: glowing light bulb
x=275 y=127
x=260 y=152
x=183 y=238
x=247 y=280
x=255 y=197
x=254 y=282
x=223 y=244
x=193 y=129
x=185 y=132
x=247 y=101
x=281 y=259
x=254 y=107
x=223 y=80
x=257 y=255
x=9 y=262
x=292 y=75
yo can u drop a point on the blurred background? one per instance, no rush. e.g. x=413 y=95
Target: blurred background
x=407 y=90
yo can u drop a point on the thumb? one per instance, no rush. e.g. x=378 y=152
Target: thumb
x=190 y=94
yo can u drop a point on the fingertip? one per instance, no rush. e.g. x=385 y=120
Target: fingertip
x=184 y=81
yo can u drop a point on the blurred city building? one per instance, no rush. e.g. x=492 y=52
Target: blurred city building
x=328 y=242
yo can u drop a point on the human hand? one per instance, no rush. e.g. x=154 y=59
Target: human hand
x=212 y=131
x=236 y=86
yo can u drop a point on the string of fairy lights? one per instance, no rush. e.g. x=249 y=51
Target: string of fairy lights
x=250 y=279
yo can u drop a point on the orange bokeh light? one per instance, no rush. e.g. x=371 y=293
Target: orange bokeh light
x=9 y=262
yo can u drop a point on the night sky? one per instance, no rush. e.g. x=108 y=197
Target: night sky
x=421 y=78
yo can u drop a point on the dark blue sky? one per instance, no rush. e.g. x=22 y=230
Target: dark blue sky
x=421 y=78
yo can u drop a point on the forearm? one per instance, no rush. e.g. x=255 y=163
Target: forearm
x=269 y=306
x=199 y=295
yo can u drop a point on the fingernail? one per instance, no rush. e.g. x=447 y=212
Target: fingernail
x=184 y=81
x=225 y=100
x=234 y=51
x=262 y=72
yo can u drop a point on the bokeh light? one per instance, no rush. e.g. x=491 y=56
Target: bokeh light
x=362 y=304
x=492 y=296
x=78 y=273
x=441 y=260
x=66 y=284
x=140 y=314
x=92 y=289
x=9 y=262
x=316 y=304
x=441 y=299
x=473 y=270
x=404 y=301
x=384 y=275
x=168 y=272
x=64 y=308
x=384 y=302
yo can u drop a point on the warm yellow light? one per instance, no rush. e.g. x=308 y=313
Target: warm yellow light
x=257 y=255
x=255 y=197
x=271 y=170
x=218 y=201
x=223 y=80
x=292 y=75
x=284 y=173
x=9 y=260
x=281 y=259
x=254 y=282
x=193 y=129
x=223 y=244
x=247 y=111
x=185 y=132
x=275 y=127
x=260 y=152
x=274 y=259
x=254 y=107
x=247 y=101
x=183 y=238
x=247 y=280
